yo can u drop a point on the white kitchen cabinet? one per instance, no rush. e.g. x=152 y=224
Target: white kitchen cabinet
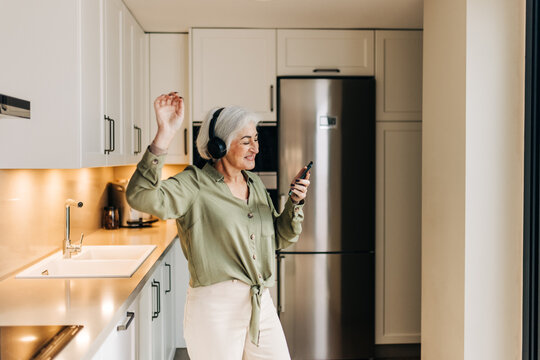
x=158 y=307
x=169 y=308
x=181 y=283
x=325 y=52
x=169 y=64
x=67 y=59
x=398 y=73
x=122 y=341
x=92 y=123
x=176 y=280
x=135 y=85
x=54 y=62
x=113 y=80
x=234 y=67
x=151 y=319
x=156 y=329
x=398 y=232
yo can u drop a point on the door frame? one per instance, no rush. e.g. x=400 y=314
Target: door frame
x=531 y=219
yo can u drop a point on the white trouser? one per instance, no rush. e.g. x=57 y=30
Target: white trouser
x=216 y=320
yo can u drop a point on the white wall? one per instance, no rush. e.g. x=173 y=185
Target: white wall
x=494 y=178
x=443 y=180
x=472 y=179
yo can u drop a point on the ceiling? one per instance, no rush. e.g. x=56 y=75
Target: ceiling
x=180 y=15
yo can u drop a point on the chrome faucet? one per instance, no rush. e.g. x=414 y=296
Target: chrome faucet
x=67 y=248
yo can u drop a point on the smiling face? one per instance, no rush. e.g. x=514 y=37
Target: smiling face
x=244 y=147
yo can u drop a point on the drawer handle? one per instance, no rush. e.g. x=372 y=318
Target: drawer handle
x=326 y=70
x=131 y=316
x=155 y=314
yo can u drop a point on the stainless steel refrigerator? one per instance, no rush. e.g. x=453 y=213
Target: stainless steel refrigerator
x=326 y=281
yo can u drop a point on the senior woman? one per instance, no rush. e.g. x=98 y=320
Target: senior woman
x=229 y=231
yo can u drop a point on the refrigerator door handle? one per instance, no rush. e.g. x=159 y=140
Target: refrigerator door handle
x=281 y=300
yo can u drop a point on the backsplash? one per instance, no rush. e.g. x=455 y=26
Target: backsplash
x=32 y=220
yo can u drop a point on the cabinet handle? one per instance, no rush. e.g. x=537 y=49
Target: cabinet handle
x=170 y=287
x=113 y=134
x=271 y=98
x=139 y=138
x=155 y=313
x=131 y=316
x=158 y=297
x=326 y=70
x=108 y=149
x=185 y=141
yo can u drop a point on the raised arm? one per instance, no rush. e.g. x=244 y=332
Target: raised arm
x=169 y=116
x=146 y=191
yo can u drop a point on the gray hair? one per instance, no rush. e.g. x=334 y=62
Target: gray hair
x=231 y=120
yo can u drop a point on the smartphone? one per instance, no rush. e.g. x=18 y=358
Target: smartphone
x=308 y=167
x=304 y=174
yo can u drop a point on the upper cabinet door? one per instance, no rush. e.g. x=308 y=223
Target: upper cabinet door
x=398 y=72
x=325 y=52
x=135 y=86
x=128 y=86
x=169 y=72
x=234 y=67
x=92 y=123
x=113 y=53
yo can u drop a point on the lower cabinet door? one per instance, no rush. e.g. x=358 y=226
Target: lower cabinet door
x=152 y=314
x=121 y=344
x=169 y=328
x=180 y=286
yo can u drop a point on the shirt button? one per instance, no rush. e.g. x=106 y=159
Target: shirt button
x=260 y=276
x=254 y=257
x=252 y=236
x=250 y=215
x=155 y=161
x=296 y=210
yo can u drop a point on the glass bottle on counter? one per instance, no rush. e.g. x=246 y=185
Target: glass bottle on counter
x=110 y=219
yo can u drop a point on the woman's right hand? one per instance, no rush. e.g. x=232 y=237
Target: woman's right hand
x=169 y=115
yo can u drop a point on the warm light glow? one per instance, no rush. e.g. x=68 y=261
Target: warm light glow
x=28 y=338
x=82 y=338
x=107 y=307
x=61 y=309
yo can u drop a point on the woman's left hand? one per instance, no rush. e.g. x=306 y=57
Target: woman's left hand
x=299 y=186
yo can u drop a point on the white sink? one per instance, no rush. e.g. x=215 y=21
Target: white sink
x=114 y=252
x=92 y=262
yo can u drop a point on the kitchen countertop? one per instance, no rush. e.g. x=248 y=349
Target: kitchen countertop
x=97 y=304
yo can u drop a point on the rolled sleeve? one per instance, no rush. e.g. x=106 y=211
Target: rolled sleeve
x=150 y=166
x=288 y=224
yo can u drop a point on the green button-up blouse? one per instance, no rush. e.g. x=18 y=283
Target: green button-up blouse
x=223 y=237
